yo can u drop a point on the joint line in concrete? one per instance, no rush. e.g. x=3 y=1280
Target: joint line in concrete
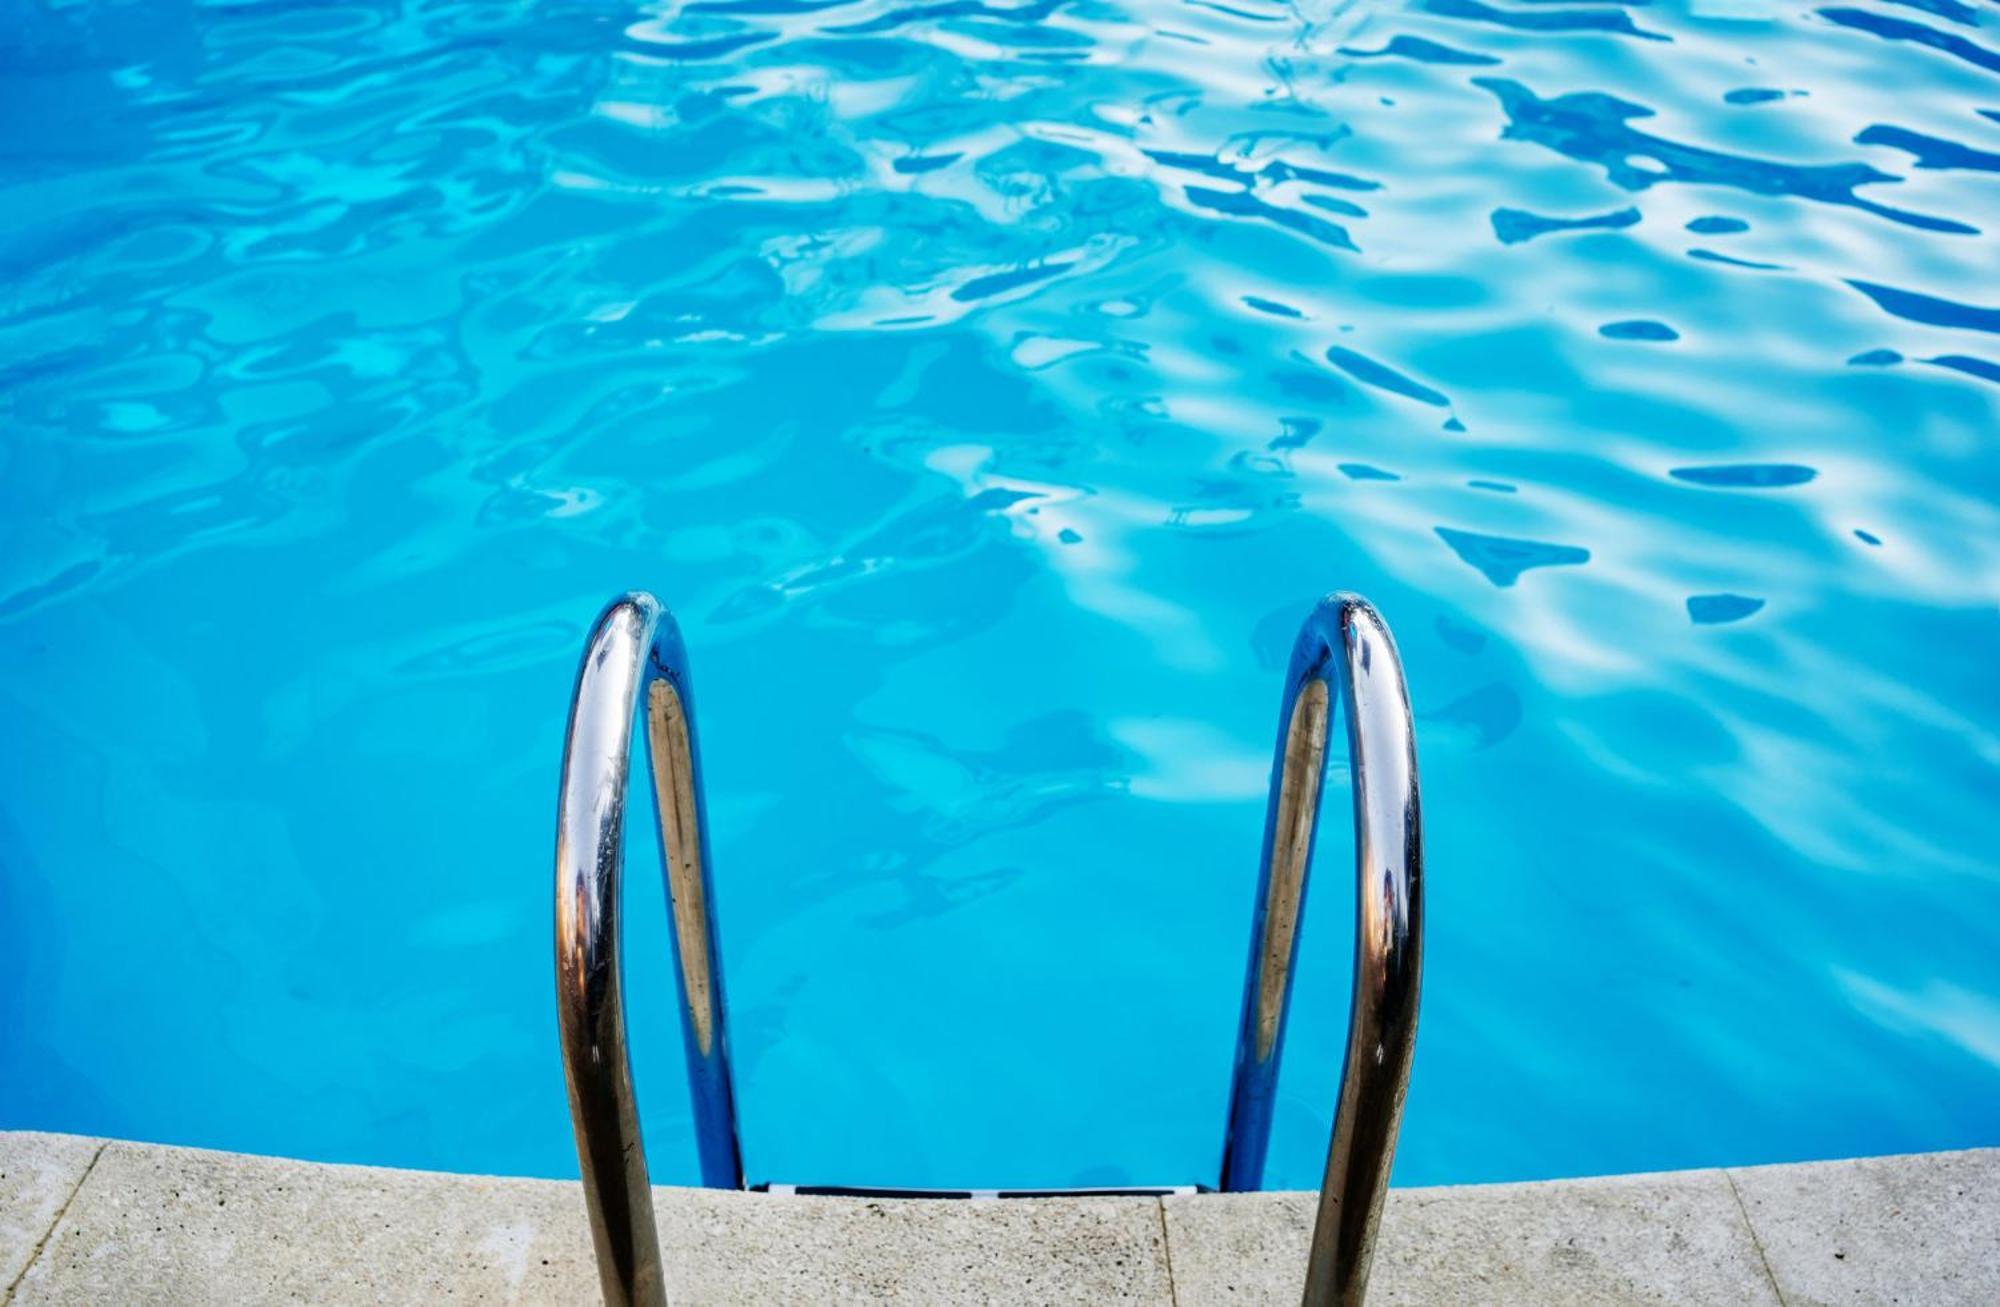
x=56 y=1223
x=1756 y=1241
x=1167 y=1253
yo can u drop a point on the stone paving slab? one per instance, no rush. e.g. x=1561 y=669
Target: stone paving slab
x=169 y=1225
x=164 y=1225
x=1673 y=1238
x=756 y=1248
x=96 y=1222
x=38 y=1173
x=1922 y=1229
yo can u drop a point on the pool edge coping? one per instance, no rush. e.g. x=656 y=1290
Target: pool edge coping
x=95 y=1219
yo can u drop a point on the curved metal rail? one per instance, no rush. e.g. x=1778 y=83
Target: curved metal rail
x=1343 y=646
x=634 y=661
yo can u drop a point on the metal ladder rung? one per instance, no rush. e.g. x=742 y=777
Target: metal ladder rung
x=975 y=1195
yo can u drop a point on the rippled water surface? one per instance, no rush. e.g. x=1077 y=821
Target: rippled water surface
x=990 y=388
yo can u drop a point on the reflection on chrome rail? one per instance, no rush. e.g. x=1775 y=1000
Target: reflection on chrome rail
x=634 y=658
x=1343 y=645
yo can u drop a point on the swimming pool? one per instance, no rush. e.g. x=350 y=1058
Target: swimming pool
x=989 y=389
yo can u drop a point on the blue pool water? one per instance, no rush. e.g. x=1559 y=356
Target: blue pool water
x=990 y=388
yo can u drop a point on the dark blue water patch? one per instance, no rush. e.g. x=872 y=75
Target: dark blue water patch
x=999 y=283
x=1452 y=424
x=1513 y=226
x=1713 y=610
x=1902 y=29
x=1296 y=431
x=1242 y=204
x=1929 y=151
x=1712 y=256
x=1868 y=538
x=1369 y=372
x=1593 y=127
x=1717 y=225
x=1280 y=170
x=1752 y=95
x=1614 y=21
x=1970 y=366
x=1497 y=487
x=1951 y=10
x=922 y=163
x=1272 y=307
x=1746 y=476
x=1638 y=329
x=1363 y=472
x=1488 y=715
x=1069 y=537
x=1875 y=358
x=1929 y=309
x=20 y=601
x=1502 y=559
x=1422 y=51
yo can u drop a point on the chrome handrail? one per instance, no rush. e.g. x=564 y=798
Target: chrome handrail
x=1342 y=638
x=634 y=659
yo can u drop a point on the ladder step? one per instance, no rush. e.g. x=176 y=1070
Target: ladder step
x=885 y=1191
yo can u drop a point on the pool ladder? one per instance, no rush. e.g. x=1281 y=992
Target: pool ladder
x=635 y=663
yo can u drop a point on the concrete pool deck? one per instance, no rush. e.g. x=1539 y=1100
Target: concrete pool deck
x=95 y=1221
